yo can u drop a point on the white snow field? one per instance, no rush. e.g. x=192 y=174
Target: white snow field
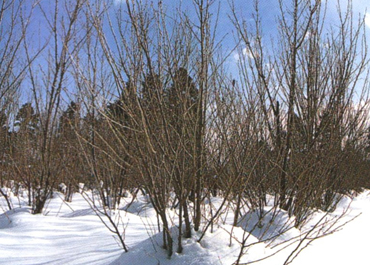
x=71 y=233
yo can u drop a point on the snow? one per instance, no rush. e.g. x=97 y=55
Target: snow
x=348 y=246
x=72 y=233
x=59 y=237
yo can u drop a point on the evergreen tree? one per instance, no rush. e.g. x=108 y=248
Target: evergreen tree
x=26 y=118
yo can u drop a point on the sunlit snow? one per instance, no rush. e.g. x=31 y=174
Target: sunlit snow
x=71 y=233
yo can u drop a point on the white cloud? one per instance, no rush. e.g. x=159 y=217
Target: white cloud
x=367 y=20
x=245 y=53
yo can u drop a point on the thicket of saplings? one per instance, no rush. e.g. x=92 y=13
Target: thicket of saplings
x=129 y=99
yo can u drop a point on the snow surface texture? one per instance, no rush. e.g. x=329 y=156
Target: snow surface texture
x=71 y=233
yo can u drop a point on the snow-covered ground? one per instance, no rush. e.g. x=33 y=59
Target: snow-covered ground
x=348 y=246
x=71 y=233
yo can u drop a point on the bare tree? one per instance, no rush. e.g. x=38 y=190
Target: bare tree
x=14 y=23
x=306 y=90
x=47 y=86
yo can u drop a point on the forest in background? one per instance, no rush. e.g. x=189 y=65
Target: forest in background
x=130 y=98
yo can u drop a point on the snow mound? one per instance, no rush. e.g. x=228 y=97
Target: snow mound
x=269 y=225
x=220 y=247
x=141 y=206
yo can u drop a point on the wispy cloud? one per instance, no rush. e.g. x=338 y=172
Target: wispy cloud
x=118 y=2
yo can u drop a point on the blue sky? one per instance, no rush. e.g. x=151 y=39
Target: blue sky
x=269 y=12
